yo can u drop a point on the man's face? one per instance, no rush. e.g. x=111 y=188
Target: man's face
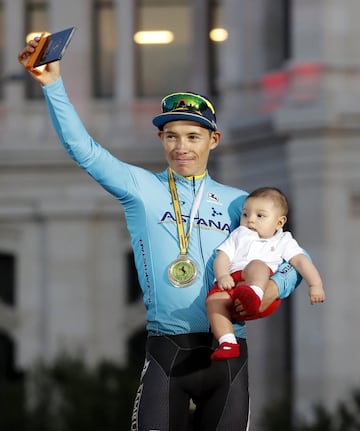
x=187 y=146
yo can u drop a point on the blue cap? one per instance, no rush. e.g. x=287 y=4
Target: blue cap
x=186 y=106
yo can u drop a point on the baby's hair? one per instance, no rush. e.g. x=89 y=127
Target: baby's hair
x=272 y=193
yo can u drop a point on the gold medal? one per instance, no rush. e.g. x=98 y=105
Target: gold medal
x=182 y=272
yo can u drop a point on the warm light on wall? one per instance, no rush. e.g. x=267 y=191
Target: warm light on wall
x=165 y=37
x=218 y=34
x=33 y=34
x=153 y=37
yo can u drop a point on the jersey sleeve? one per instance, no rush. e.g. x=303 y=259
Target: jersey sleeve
x=67 y=124
x=287 y=278
x=114 y=175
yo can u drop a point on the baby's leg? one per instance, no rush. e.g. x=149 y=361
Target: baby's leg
x=256 y=273
x=218 y=307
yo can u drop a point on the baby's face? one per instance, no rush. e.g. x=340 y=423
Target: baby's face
x=262 y=215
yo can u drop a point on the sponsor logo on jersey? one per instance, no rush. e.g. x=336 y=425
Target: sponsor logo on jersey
x=169 y=217
x=213 y=197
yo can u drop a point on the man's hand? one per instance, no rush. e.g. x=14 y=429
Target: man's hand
x=45 y=75
x=241 y=314
x=269 y=304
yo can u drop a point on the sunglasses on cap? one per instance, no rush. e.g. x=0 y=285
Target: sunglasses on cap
x=186 y=101
x=186 y=107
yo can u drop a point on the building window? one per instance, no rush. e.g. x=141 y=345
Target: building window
x=6 y=356
x=171 y=39
x=133 y=286
x=163 y=46
x=104 y=43
x=7 y=285
x=277 y=33
x=7 y=296
x=8 y=371
x=1 y=51
x=35 y=22
x=217 y=35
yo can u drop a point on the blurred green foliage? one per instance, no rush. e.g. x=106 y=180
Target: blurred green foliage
x=69 y=396
x=344 y=417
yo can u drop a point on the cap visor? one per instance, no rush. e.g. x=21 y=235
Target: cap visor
x=167 y=117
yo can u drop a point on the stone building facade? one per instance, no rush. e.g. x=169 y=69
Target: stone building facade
x=286 y=83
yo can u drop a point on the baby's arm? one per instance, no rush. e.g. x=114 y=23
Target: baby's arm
x=221 y=270
x=308 y=270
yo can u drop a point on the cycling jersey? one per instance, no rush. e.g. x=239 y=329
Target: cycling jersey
x=146 y=199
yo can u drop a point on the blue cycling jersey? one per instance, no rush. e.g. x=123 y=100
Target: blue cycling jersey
x=151 y=222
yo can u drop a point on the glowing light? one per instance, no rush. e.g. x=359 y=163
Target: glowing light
x=218 y=34
x=153 y=37
x=33 y=34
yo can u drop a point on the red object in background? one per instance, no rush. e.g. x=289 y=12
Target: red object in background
x=305 y=82
x=274 y=87
x=300 y=84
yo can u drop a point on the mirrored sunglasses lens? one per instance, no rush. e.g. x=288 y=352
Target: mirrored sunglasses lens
x=186 y=101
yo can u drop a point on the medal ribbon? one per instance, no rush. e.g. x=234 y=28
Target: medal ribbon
x=184 y=239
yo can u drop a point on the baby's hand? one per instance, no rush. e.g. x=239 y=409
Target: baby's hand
x=317 y=294
x=226 y=282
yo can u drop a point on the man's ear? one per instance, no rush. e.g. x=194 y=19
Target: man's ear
x=215 y=139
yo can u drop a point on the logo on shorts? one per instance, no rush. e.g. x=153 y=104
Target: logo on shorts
x=285 y=269
x=145 y=367
x=135 y=414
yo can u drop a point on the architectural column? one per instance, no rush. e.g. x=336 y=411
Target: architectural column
x=12 y=81
x=321 y=116
x=201 y=46
x=78 y=55
x=243 y=55
x=125 y=66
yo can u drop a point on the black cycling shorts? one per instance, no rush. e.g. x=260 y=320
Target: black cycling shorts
x=177 y=370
